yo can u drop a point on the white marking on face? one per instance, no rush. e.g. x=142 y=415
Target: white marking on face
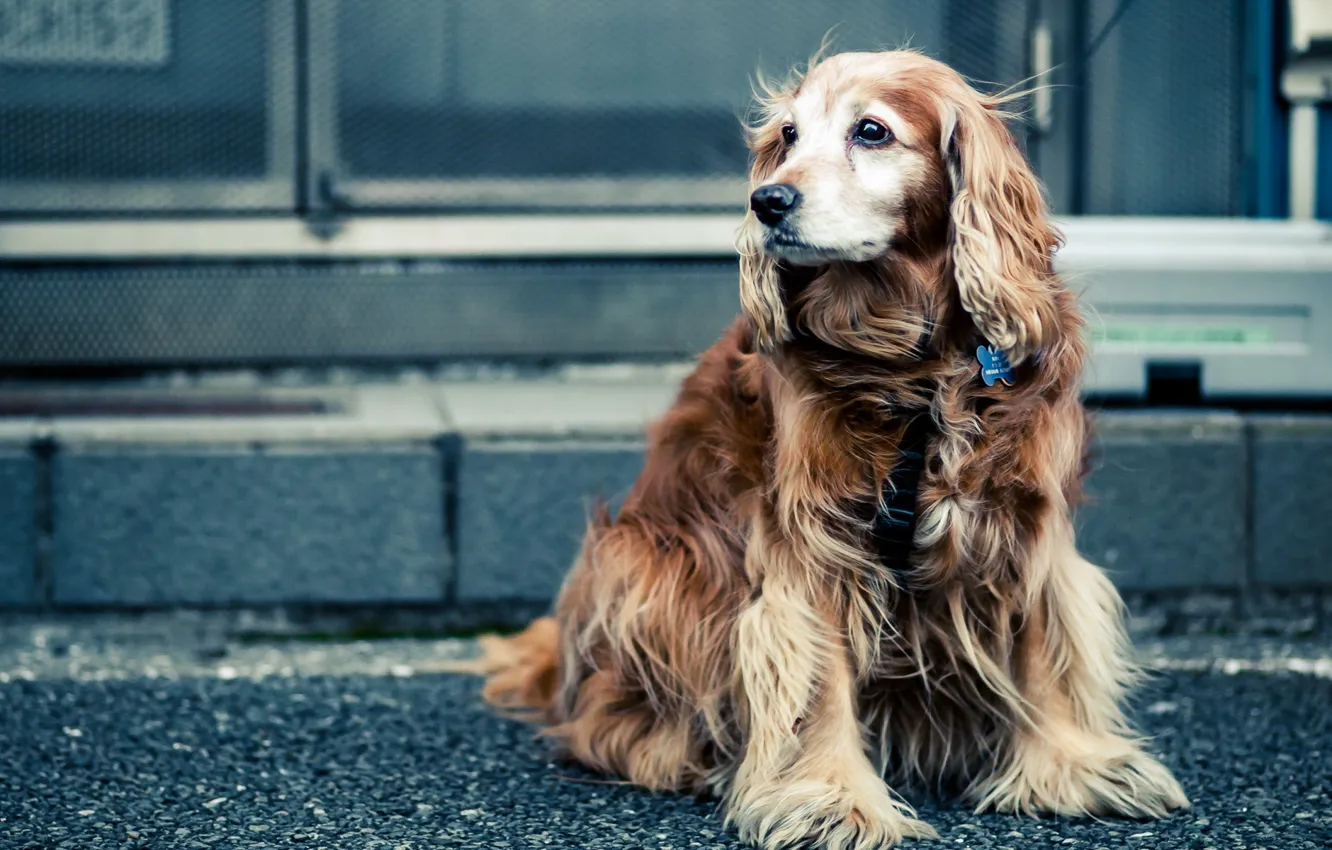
x=852 y=191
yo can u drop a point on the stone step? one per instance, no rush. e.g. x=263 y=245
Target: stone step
x=476 y=493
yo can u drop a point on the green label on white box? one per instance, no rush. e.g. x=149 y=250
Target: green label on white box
x=1154 y=334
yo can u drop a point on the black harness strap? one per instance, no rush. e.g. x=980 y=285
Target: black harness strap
x=894 y=528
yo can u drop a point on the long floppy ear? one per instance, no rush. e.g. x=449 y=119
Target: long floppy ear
x=1002 y=239
x=760 y=278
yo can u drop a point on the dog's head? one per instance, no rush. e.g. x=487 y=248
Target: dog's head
x=875 y=158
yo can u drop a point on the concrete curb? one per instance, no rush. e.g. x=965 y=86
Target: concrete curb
x=1291 y=485
x=343 y=506
x=472 y=496
x=535 y=457
x=1167 y=500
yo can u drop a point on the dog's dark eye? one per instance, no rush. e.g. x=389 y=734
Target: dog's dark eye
x=789 y=134
x=871 y=132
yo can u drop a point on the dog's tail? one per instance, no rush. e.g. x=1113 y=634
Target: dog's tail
x=521 y=671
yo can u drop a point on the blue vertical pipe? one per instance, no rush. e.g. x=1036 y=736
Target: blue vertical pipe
x=1323 y=200
x=1266 y=190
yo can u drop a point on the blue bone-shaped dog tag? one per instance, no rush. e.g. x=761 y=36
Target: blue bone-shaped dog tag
x=994 y=366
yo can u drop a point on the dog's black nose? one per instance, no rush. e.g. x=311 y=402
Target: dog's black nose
x=771 y=203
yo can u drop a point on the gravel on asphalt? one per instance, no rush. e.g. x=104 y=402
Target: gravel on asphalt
x=398 y=760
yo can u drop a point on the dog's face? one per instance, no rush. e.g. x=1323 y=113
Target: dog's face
x=852 y=149
x=875 y=161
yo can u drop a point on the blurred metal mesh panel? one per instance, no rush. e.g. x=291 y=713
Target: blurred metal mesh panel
x=265 y=313
x=1164 y=100
x=513 y=100
x=192 y=105
x=443 y=105
x=147 y=104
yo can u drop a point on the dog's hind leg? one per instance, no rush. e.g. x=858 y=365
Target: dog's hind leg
x=616 y=732
x=804 y=777
x=1071 y=751
x=643 y=672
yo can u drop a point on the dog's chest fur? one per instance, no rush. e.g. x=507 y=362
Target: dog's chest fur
x=912 y=635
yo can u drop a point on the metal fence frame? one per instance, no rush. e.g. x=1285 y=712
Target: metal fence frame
x=275 y=192
x=331 y=189
x=307 y=175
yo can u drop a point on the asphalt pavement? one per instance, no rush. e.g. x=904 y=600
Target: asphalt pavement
x=363 y=746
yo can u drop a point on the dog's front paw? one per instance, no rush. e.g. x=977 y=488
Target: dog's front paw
x=825 y=815
x=1114 y=777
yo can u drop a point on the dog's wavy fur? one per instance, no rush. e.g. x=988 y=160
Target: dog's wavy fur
x=731 y=629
